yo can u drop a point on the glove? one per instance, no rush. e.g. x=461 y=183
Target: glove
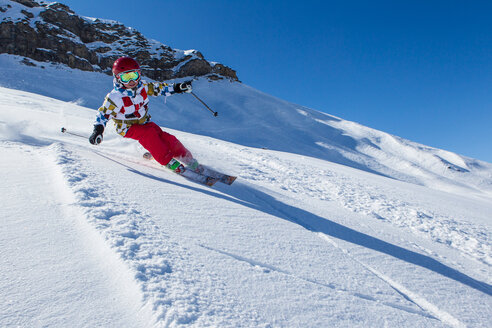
x=97 y=135
x=183 y=87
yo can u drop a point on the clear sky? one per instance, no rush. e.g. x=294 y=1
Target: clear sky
x=419 y=69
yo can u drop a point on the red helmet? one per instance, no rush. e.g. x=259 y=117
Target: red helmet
x=125 y=64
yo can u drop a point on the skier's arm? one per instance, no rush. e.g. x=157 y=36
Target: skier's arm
x=159 y=89
x=164 y=89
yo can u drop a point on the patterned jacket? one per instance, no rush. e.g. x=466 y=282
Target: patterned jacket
x=130 y=106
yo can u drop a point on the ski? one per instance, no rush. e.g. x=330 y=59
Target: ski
x=196 y=177
x=205 y=174
x=223 y=178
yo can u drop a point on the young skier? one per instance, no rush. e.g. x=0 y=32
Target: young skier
x=127 y=106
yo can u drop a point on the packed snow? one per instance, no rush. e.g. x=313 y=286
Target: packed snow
x=329 y=224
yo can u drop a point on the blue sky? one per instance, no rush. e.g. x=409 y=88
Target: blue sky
x=421 y=70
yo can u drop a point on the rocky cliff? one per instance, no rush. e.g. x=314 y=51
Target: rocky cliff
x=52 y=32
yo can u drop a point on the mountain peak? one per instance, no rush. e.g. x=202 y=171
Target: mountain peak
x=52 y=32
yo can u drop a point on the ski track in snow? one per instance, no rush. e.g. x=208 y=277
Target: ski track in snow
x=421 y=302
x=268 y=268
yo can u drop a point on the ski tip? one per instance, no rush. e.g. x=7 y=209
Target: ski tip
x=229 y=180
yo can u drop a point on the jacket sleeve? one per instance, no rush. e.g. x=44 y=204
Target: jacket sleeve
x=159 y=89
x=106 y=112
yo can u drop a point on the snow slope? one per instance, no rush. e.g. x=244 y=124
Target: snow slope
x=251 y=118
x=98 y=237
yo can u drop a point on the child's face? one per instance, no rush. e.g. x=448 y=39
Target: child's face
x=131 y=84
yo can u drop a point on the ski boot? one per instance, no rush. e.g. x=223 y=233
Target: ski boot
x=176 y=166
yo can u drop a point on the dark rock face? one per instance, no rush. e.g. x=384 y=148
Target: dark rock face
x=52 y=32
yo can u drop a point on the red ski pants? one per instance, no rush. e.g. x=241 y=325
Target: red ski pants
x=162 y=145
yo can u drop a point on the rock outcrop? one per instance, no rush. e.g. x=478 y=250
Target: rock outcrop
x=52 y=32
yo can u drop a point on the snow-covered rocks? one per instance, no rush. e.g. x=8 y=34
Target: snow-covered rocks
x=51 y=32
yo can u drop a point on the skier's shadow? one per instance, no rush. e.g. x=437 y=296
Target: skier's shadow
x=245 y=195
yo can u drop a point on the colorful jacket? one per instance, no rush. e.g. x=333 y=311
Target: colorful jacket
x=130 y=106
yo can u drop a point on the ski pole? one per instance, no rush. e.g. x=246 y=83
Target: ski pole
x=98 y=139
x=204 y=104
x=63 y=130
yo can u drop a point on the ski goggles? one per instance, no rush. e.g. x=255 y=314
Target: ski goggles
x=126 y=77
